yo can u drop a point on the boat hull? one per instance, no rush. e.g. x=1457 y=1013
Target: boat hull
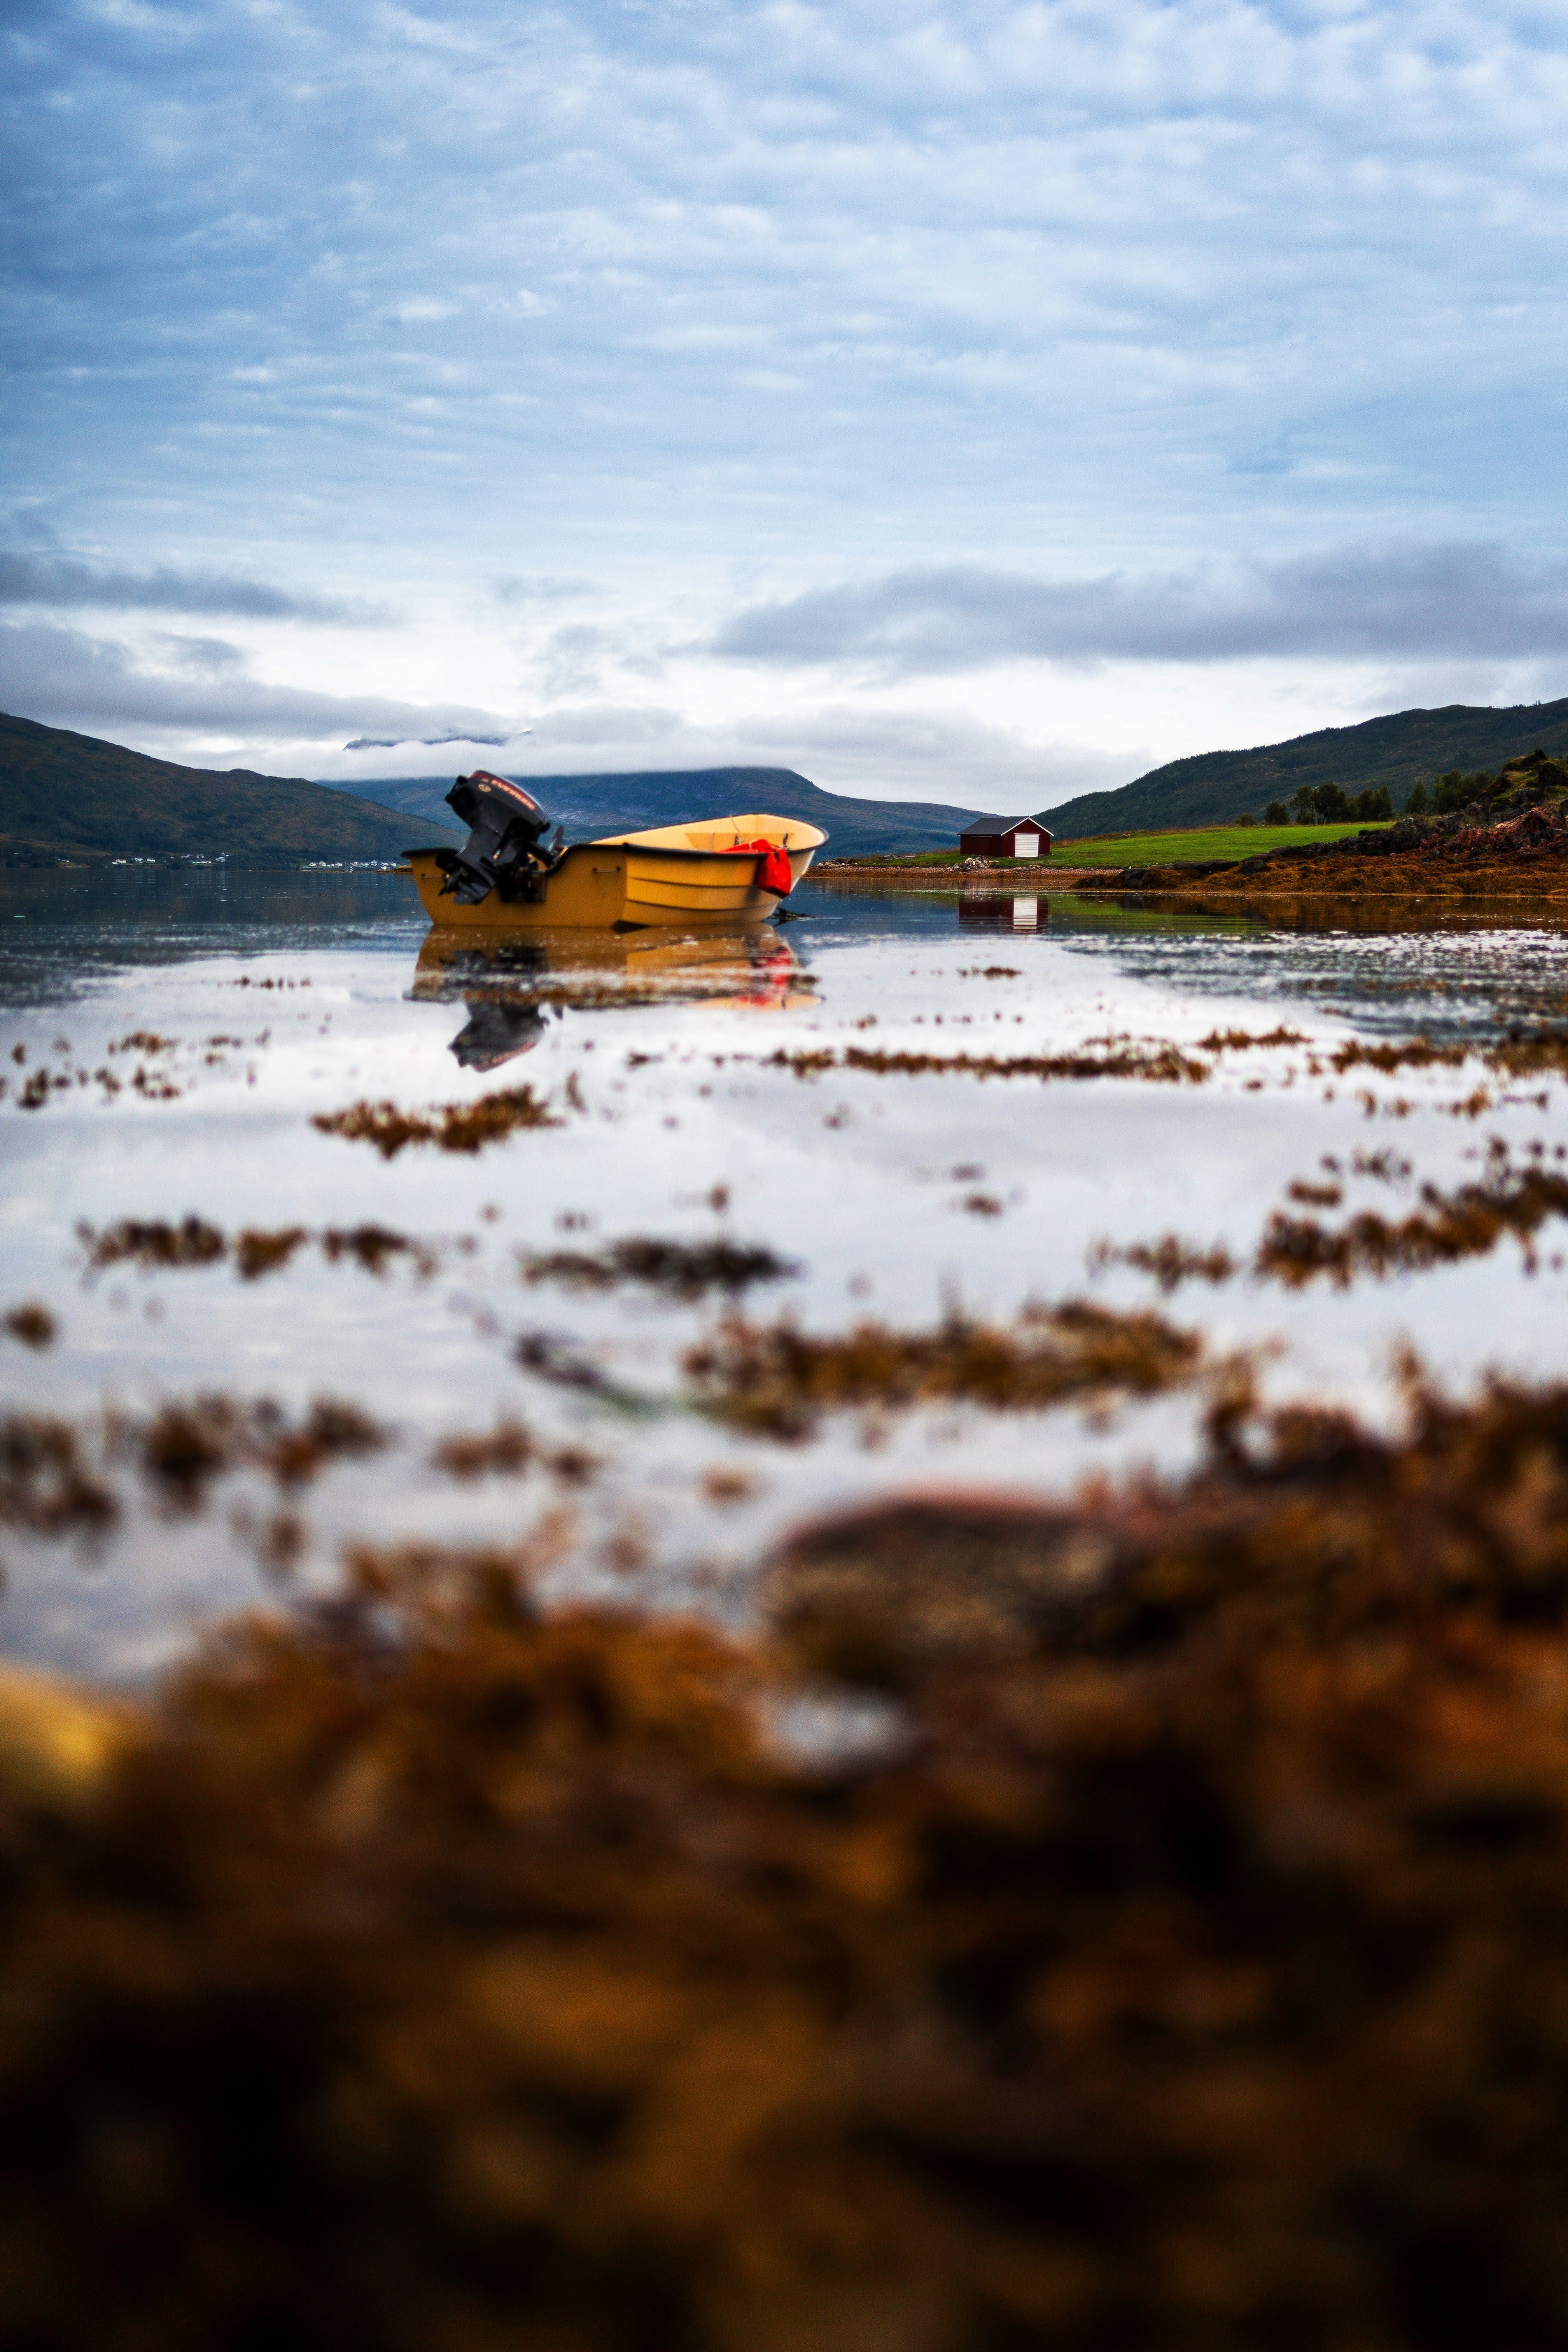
x=676 y=874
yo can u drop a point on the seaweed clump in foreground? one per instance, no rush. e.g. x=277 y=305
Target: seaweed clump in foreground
x=1185 y=1970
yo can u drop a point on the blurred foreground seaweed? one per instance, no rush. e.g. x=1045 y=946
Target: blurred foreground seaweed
x=53 y=1473
x=423 y=1971
x=775 y=1379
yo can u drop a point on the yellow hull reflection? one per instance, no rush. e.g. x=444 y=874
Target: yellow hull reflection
x=510 y=982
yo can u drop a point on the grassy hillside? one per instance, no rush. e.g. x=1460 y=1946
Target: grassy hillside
x=1212 y=841
x=587 y=806
x=1394 y=751
x=1137 y=849
x=62 y=793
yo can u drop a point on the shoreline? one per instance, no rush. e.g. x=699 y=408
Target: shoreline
x=1494 y=883
x=1060 y=878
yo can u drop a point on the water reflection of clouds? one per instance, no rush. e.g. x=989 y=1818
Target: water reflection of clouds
x=680 y=1116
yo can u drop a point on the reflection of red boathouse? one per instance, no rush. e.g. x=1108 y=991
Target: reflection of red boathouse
x=997 y=914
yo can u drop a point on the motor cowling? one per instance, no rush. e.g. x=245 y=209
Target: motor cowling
x=504 y=850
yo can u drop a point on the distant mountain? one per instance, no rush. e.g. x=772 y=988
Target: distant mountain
x=1395 y=751
x=587 y=806
x=73 y=795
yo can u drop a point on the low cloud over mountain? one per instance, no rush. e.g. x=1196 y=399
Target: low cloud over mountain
x=206 y=689
x=1462 y=599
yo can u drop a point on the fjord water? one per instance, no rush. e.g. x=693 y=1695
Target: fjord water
x=191 y=1026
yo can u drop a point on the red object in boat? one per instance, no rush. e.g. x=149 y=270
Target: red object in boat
x=773 y=865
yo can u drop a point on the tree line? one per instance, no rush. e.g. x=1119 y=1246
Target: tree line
x=1332 y=805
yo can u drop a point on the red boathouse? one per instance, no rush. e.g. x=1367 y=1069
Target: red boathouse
x=1005 y=836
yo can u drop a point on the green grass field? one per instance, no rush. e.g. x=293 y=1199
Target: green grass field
x=1143 y=848
x=1215 y=841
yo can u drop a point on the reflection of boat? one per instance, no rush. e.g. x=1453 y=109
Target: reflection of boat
x=497 y=1030
x=508 y=982
x=723 y=869
x=556 y=967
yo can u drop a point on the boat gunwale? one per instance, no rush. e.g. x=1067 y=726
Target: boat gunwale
x=648 y=848
x=652 y=847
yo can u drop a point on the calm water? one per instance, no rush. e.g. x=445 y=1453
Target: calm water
x=249 y=1003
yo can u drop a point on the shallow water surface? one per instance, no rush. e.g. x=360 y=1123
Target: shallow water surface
x=916 y=1109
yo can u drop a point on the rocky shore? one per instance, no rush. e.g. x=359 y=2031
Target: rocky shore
x=1510 y=840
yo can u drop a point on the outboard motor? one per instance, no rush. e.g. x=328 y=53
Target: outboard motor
x=502 y=852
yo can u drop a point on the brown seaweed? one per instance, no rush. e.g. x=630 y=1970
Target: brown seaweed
x=421 y=1971
x=679 y=1270
x=776 y=1380
x=157 y=1245
x=152 y=1243
x=1162 y=1063
x=1240 y=1041
x=47 y=1485
x=507 y=1451
x=190 y=1441
x=373 y=1247
x=1467 y=1222
x=1170 y=1261
x=452 y=1126
x=31 y=1324
x=258 y=1252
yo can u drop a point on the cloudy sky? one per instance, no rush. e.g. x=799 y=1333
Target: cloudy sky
x=969 y=401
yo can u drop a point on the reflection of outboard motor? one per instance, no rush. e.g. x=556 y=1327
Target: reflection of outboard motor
x=502 y=852
x=498 y=1027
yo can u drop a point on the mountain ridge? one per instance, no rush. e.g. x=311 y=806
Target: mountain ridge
x=632 y=800
x=63 y=793
x=79 y=797
x=1397 y=748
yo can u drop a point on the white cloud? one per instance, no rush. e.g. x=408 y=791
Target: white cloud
x=542 y=588
x=1463 y=601
x=52 y=579
x=1017 y=333
x=94 y=683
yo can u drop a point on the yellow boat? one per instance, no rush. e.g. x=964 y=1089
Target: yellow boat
x=709 y=871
